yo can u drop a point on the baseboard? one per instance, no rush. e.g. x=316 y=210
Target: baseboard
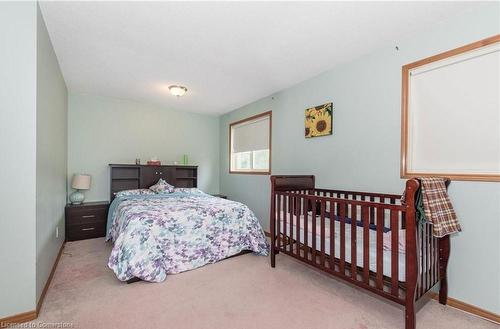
x=468 y=308
x=18 y=318
x=49 y=280
x=32 y=315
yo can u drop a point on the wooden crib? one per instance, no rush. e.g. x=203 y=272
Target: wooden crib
x=342 y=233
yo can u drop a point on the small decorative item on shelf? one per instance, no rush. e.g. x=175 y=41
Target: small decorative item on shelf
x=137 y=161
x=185 y=159
x=154 y=162
x=79 y=182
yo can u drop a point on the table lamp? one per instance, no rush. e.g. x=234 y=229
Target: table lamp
x=79 y=182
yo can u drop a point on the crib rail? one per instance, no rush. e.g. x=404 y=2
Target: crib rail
x=428 y=247
x=326 y=219
x=356 y=195
x=342 y=233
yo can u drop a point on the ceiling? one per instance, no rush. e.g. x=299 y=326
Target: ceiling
x=227 y=54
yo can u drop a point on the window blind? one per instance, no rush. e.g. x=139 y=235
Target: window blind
x=454 y=117
x=251 y=136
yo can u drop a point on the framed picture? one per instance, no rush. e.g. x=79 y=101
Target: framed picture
x=319 y=121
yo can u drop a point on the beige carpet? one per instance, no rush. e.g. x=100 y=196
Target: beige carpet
x=242 y=292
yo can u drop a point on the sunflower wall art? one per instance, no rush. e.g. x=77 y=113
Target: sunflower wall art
x=319 y=121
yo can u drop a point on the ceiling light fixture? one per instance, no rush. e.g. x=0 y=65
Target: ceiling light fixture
x=177 y=90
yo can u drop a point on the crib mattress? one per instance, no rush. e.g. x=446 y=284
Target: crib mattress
x=359 y=244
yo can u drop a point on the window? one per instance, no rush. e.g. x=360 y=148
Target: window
x=450 y=114
x=250 y=145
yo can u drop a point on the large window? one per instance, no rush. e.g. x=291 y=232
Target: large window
x=451 y=112
x=250 y=145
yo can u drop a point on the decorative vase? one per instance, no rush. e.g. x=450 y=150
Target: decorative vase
x=76 y=197
x=185 y=159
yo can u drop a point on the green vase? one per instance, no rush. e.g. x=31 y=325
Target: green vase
x=76 y=197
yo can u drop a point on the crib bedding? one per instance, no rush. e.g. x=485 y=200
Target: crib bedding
x=156 y=235
x=359 y=243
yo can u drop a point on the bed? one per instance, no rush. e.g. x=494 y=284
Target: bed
x=369 y=239
x=156 y=234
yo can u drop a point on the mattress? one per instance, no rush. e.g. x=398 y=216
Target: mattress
x=359 y=243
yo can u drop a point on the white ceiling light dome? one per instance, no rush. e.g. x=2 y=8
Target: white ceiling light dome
x=177 y=90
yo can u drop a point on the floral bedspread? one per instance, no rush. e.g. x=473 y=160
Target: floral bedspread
x=165 y=234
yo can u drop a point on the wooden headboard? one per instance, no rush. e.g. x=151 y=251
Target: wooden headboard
x=292 y=182
x=128 y=177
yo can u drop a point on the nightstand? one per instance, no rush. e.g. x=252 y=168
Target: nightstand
x=86 y=220
x=222 y=196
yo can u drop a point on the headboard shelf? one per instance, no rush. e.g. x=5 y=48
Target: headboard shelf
x=131 y=165
x=130 y=176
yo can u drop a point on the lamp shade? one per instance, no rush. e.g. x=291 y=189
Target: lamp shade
x=80 y=182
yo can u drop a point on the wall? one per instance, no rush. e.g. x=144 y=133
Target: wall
x=363 y=153
x=51 y=156
x=17 y=157
x=105 y=130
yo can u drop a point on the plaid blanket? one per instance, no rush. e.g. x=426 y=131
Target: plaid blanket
x=438 y=209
